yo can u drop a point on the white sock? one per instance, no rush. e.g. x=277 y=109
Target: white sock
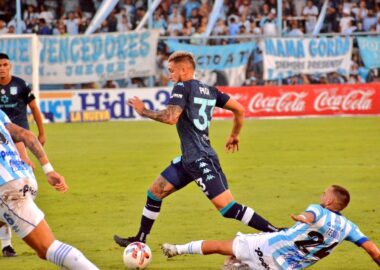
x=5 y=236
x=194 y=247
x=68 y=257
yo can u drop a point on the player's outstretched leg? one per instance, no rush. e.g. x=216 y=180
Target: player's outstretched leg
x=248 y=216
x=6 y=245
x=206 y=247
x=41 y=239
x=150 y=213
x=229 y=208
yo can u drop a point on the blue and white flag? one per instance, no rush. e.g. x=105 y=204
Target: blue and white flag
x=285 y=57
x=370 y=51
x=321 y=19
x=105 y=9
x=219 y=65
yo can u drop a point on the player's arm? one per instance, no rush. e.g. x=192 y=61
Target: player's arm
x=38 y=118
x=169 y=115
x=20 y=134
x=372 y=251
x=305 y=217
x=237 y=109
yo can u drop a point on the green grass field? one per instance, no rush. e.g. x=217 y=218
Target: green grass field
x=282 y=166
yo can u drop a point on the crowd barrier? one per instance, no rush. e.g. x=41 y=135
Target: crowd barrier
x=268 y=101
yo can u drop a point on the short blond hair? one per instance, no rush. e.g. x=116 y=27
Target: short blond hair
x=182 y=56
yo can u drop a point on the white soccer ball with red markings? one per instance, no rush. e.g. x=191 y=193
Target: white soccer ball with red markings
x=137 y=255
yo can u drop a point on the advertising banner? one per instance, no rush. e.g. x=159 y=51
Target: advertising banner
x=218 y=65
x=306 y=100
x=66 y=106
x=370 y=51
x=268 y=101
x=83 y=59
x=285 y=57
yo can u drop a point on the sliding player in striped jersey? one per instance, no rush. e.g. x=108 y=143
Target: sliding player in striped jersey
x=317 y=232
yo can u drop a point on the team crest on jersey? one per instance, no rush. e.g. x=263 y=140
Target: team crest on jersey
x=3 y=139
x=14 y=90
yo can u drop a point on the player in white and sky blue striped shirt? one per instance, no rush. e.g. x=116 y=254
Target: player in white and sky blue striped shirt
x=317 y=232
x=18 y=188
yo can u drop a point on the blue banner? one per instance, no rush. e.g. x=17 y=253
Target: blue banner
x=217 y=57
x=370 y=51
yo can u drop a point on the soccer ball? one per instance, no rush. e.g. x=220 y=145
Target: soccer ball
x=137 y=255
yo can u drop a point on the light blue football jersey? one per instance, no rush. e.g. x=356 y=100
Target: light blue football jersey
x=303 y=245
x=11 y=165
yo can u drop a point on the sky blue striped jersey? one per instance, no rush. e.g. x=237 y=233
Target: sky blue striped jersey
x=303 y=245
x=11 y=165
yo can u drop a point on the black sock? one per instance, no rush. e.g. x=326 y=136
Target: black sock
x=261 y=224
x=246 y=215
x=150 y=213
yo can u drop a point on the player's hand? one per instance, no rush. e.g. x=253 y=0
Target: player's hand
x=137 y=104
x=57 y=181
x=232 y=144
x=41 y=139
x=300 y=218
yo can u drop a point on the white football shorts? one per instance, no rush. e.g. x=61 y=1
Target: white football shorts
x=17 y=207
x=253 y=250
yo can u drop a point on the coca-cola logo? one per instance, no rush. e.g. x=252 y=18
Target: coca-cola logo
x=286 y=102
x=356 y=100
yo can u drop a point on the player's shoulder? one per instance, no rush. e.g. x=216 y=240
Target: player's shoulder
x=19 y=82
x=17 y=79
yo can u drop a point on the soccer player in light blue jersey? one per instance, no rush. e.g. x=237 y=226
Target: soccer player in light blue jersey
x=317 y=232
x=18 y=188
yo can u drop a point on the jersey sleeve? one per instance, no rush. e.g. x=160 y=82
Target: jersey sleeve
x=221 y=99
x=356 y=236
x=316 y=210
x=178 y=96
x=4 y=118
x=29 y=94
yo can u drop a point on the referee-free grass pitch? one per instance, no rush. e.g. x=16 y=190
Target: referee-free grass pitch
x=282 y=167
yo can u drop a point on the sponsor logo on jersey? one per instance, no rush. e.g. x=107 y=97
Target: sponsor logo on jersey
x=260 y=254
x=4 y=99
x=175 y=95
x=27 y=189
x=14 y=90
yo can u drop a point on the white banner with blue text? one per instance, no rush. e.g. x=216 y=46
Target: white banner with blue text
x=286 y=57
x=83 y=59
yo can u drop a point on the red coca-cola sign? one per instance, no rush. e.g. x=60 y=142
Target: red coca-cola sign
x=280 y=101
x=355 y=100
x=285 y=102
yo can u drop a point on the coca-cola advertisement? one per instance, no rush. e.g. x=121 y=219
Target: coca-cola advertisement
x=306 y=100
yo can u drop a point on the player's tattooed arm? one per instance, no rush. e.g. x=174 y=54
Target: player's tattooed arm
x=20 y=134
x=169 y=115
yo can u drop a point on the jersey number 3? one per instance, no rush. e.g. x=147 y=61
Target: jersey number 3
x=203 y=122
x=315 y=239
